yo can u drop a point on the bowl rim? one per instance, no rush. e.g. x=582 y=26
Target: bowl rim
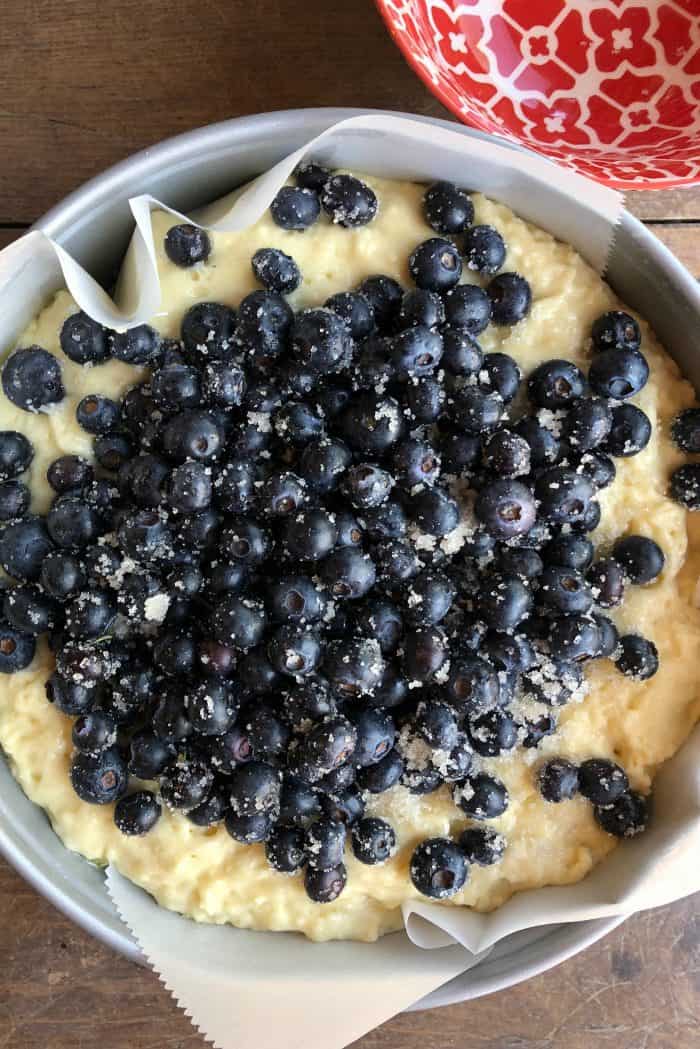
x=558 y=942
x=473 y=120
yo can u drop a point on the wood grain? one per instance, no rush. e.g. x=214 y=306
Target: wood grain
x=82 y=85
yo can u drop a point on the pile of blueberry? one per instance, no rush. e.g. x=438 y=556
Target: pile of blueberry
x=323 y=553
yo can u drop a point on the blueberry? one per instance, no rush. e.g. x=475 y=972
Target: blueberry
x=112 y=450
x=140 y=345
x=295 y=208
x=186 y=245
x=223 y=384
x=192 y=435
x=295 y=599
x=447 y=208
x=29 y=610
x=459 y=452
x=563 y=494
x=556 y=384
x=438 y=868
x=137 y=813
x=68 y=695
x=598 y=467
x=149 y=755
x=31 y=379
x=570 y=552
x=99 y=779
x=373 y=841
x=387 y=521
x=238 y=621
x=212 y=810
x=69 y=472
x=492 y=733
x=267 y=734
x=16 y=453
x=484 y=250
x=630 y=433
x=616 y=330
x=638 y=657
x=15 y=499
x=506 y=453
x=586 y=425
x=176 y=387
x=506 y=508
x=320 y=340
x=520 y=561
x=625 y=817
x=437 y=724
x=249 y=830
x=416 y=352
x=685 y=430
x=381 y=620
x=435 y=265
x=685 y=486
x=374 y=368
x=234 y=487
x=23 y=546
x=354 y=310
x=430 y=597
x=536 y=731
x=420 y=307
x=312 y=176
x=342 y=800
x=376 y=733
x=97 y=414
x=503 y=602
x=325 y=844
x=564 y=590
x=618 y=374
x=434 y=511
x=423 y=400
x=477 y=410
x=558 y=780
x=462 y=354
x=276 y=270
x=211 y=707
x=372 y=423
x=483 y=797
x=348 y=201
x=574 y=638
x=423 y=780
x=384 y=295
x=350 y=531
x=174 y=654
x=281 y=494
x=354 y=666
x=16 y=649
x=472 y=684
x=285 y=849
x=468 y=307
x=144 y=535
x=640 y=557
x=608 y=636
x=367 y=486
x=207 y=331
x=482 y=845
x=294 y=650
x=324 y=886
x=187 y=784
x=500 y=374
x=602 y=781
x=511 y=298
x=425 y=651
x=299 y=803
x=71 y=522
x=309 y=535
x=327 y=746
x=544 y=446
x=606 y=580
x=348 y=572
x=83 y=340
x=384 y=775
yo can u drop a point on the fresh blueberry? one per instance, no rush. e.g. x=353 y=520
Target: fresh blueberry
x=324 y=886
x=355 y=310
x=294 y=650
x=186 y=245
x=492 y=733
x=15 y=500
x=564 y=590
x=192 y=435
x=372 y=423
x=140 y=345
x=506 y=453
x=309 y=535
x=482 y=845
x=459 y=452
x=16 y=649
x=435 y=265
x=511 y=298
x=416 y=352
x=212 y=810
x=16 y=453
x=483 y=797
x=447 y=208
x=381 y=620
x=83 y=340
x=606 y=580
x=618 y=374
x=223 y=384
x=207 y=331
x=616 y=330
x=598 y=467
x=23 y=546
x=484 y=250
x=574 y=638
x=685 y=486
x=558 y=780
x=384 y=775
x=425 y=652
x=478 y=410
x=468 y=308
x=29 y=610
x=420 y=307
x=97 y=414
x=348 y=572
x=544 y=445
x=462 y=354
x=500 y=374
x=312 y=176
x=249 y=830
x=625 y=817
x=602 y=781
x=586 y=425
x=285 y=849
x=504 y=601
x=295 y=599
x=563 y=495
x=325 y=844
x=384 y=295
x=31 y=379
x=640 y=557
x=434 y=511
x=630 y=433
x=354 y=666
x=295 y=208
x=387 y=521
x=638 y=657
x=137 y=813
x=506 y=508
x=112 y=449
x=320 y=340
x=424 y=400
x=99 y=779
x=438 y=868
x=348 y=201
x=149 y=755
x=72 y=523
x=556 y=384
x=238 y=621
x=373 y=841
x=685 y=430
x=327 y=746
x=276 y=270
x=472 y=684
x=176 y=387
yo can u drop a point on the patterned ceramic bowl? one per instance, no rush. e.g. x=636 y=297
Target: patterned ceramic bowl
x=608 y=87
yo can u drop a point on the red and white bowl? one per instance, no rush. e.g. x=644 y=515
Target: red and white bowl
x=610 y=88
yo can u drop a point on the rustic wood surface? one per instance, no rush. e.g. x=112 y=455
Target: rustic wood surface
x=83 y=84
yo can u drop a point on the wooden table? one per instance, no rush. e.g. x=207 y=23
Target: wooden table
x=83 y=84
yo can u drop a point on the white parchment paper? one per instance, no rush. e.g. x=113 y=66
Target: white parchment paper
x=323 y=996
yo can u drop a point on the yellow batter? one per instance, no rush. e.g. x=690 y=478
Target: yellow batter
x=203 y=872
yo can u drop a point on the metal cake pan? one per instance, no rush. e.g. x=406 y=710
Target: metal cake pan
x=193 y=169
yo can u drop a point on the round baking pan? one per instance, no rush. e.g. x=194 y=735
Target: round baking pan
x=94 y=224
